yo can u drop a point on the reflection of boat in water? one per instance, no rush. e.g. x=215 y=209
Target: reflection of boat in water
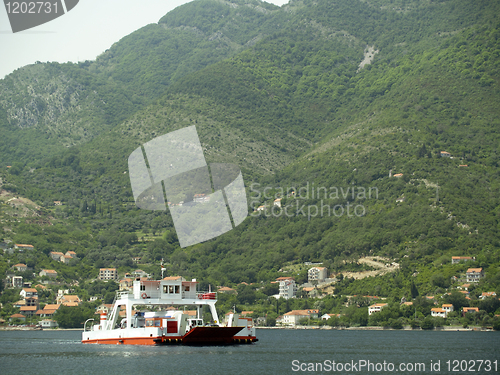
x=153 y=327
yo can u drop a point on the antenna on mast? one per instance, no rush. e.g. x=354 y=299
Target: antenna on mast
x=163 y=269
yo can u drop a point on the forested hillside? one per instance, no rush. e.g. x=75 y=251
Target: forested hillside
x=282 y=93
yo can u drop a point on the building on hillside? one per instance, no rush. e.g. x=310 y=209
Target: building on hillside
x=466 y=310
x=31 y=301
x=448 y=307
x=48 y=310
x=140 y=273
x=317 y=274
x=48 y=323
x=126 y=283
x=71 y=254
x=28 y=292
x=21 y=247
x=12 y=281
x=28 y=310
x=108 y=274
x=474 y=275
x=226 y=290
x=445 y=154
x=438 y=312
x=56 y=255
x=293 y=317
x=328 y=316
x=104 y=308
x=21 y=267
x=21 y=317
x=455 y=260
x=287 y=288
x=68 y=300
x=49 y=273
x=485 y=295
x=277 y=202
x=65 y=259
x=377 y=307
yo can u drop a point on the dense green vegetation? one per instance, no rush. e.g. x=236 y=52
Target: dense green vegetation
x=279 y=92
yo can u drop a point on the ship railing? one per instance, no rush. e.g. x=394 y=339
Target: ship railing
x=121 y=294
x=206 y=295
x=85 y=324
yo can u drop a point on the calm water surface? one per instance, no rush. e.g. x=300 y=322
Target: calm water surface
x=60 y=352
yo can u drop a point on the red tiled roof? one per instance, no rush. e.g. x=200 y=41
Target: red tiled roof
x=474 y=270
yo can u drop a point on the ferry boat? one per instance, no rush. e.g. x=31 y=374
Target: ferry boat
x=153 y=323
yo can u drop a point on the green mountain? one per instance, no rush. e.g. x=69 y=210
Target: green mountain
x=320 y=104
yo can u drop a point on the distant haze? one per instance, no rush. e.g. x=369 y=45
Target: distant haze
x=82 y=34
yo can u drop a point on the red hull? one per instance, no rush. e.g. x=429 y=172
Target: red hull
x=197 y=336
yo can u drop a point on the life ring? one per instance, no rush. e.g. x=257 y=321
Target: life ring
x=144 y=295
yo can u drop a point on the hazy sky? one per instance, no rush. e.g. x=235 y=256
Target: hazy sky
x=82 y=34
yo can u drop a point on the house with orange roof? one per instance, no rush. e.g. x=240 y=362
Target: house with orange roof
x=126 y=283
x=377 y=307
x=293 y=317
x=485 y=295
x=56 y=255
x=104 y=308
x=448 y=307
x=19 y=303
x=31 y=301
x=328 y=316
x=474 y=275
x=21 y=247
x=442 y=311
x=48 y=310
x=21 y=267
x=108 y=274
x=287 y=288
x=398 y=175
x=277 y=202
x=17 y=316
x=65 y=259
x=227 y=290
x=445 y=154
x=28 y=292
x=28 y=310
x=438 y=312
x=49 y=273
x=317 y=274
x=466 y=310
x=68 y=300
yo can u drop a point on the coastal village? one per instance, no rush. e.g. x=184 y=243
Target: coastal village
x=41 y=300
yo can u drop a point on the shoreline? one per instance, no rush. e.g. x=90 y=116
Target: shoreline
x=379 y=328
x=38 y=329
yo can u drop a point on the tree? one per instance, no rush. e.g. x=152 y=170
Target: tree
x=428 y=323
x=457 y=299
x=414 y=290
